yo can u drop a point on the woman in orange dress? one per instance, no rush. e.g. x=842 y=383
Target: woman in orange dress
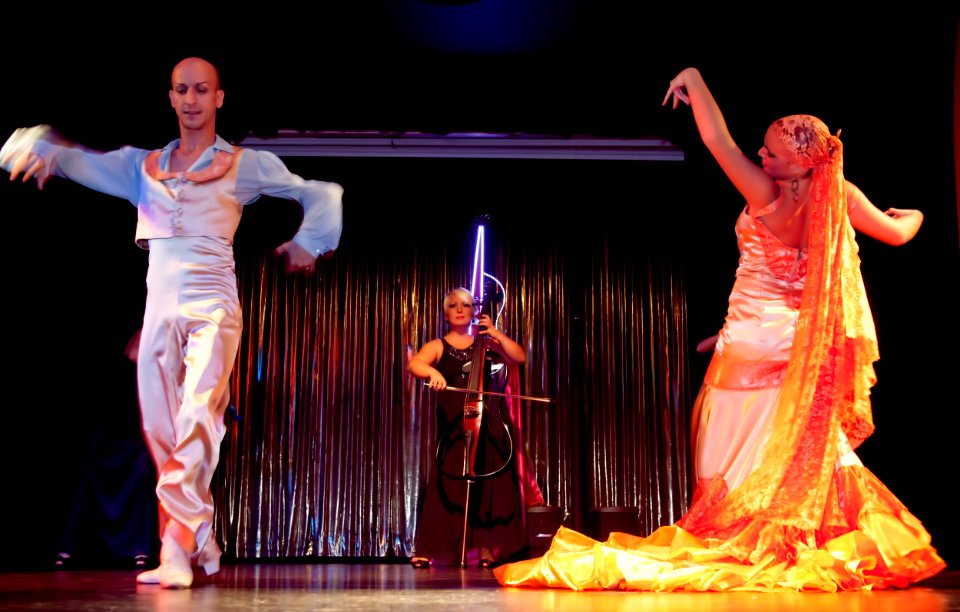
x=782 y=500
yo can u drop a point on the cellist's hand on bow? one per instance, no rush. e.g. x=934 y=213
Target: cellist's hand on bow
x=437 y=382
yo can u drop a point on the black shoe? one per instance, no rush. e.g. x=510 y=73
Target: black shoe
x=420 y=562
x=486 y=563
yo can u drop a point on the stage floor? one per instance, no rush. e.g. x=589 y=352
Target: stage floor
x=394 y=586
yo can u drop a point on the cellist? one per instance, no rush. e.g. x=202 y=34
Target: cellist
x=495 y=510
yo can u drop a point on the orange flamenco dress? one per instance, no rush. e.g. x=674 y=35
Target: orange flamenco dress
x=782 y=501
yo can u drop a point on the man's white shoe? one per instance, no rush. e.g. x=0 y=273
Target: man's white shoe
x=175 y=571
x=149 y=577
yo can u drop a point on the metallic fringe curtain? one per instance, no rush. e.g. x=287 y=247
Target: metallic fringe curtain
x=332 y=439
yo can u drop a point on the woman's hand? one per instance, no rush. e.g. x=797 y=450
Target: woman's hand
x=909 y=221
x=436 y=381
x=511 y=352
x=487 y=328
x=898 y=213
x=894 y=226
x=678 y=89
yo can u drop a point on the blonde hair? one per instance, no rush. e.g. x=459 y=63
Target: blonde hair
x=458 y=292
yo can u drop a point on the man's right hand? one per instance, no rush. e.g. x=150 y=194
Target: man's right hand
x=18 y=155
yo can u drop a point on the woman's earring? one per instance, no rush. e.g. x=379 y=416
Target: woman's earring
x=795 y=185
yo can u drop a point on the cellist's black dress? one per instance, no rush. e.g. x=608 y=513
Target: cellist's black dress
x=496 y=512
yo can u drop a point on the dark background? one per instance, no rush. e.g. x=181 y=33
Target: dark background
x=75 y=279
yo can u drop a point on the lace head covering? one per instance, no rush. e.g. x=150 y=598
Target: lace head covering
x=806 y=138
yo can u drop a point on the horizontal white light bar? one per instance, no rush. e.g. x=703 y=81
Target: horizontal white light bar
x=290 y=143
